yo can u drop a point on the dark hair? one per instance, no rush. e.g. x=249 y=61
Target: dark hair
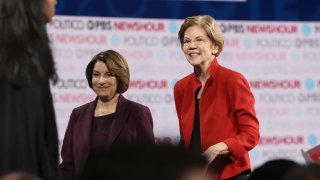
x=22 y=27
x=116 y=64
x=273 y=169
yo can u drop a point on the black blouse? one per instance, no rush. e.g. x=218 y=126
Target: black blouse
x=100 y=131
x=195 y=143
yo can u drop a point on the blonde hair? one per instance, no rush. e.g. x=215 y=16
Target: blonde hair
x=209 y=25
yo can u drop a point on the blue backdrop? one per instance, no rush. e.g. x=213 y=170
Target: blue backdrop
x=280 y=10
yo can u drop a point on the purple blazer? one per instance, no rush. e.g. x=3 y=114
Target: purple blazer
x=132 y=125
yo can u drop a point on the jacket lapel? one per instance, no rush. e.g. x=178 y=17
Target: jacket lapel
x=82 y=143
x=120 y=118
x=86 y=123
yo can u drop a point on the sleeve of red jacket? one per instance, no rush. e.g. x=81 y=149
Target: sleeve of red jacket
x=66 y=168
x=242 y=102
x=178 y=95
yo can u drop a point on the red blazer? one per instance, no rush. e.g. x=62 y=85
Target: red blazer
x=132 y=125
x=226 y=115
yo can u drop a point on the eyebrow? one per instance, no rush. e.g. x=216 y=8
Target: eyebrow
x=200 y=36
x=107 y=72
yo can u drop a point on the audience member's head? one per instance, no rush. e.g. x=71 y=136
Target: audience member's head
x=161 y=162
x=304 y=172
x=19 y=176
x=272 y=170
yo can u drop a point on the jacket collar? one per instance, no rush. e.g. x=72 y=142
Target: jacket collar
x=211 y=70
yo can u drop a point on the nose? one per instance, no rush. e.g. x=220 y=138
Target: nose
x=102 y=80
x=193 y=44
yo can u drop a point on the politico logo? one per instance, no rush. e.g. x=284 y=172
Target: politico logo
x=273 y=98
x=273 y=111
x=274 y=43
x=71 y=84
x=66 y=24
x=138 y=54
x=244 y=56
x=280 y=153
x=147 y=41
x=275 y=84
x=282 y=140
x=151 y=98
x=149 y=84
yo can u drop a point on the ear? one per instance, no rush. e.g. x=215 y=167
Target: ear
x=214 y=49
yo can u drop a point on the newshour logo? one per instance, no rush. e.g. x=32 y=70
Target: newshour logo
x=139 y=26
x=282 y=140
x=149 y=84
x=275 y=84
x=272 y=28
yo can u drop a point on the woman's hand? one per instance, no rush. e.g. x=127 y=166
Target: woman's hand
x=217 y=149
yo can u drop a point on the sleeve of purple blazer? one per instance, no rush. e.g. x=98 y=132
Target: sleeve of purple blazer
x=145 y=135
x=66 y=168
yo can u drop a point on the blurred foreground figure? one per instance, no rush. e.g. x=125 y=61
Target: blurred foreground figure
x=28 y=133
x=304 y=172
x=161 y=162
x=273 y=169
x=19 y=176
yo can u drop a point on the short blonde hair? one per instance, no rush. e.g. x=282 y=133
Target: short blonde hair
x=117 y=66
x=209 y=25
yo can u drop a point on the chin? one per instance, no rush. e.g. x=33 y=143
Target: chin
x=194 y=63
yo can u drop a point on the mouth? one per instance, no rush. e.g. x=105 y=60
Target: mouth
x=103 y=87
x=193 y=54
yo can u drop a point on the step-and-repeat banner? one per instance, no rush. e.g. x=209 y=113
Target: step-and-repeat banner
x=281 y=61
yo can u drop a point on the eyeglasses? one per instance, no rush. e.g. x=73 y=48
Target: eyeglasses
x=197 y=41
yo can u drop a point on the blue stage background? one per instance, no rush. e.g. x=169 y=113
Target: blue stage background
x=269 y=10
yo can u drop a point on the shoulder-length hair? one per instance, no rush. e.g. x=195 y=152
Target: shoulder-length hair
x=117 y=66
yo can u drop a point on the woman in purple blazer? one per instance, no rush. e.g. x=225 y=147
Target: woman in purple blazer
x=108 y=121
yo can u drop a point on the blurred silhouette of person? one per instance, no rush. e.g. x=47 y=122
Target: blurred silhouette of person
x=273 y=169
x=215 y=105
x=160 y=162
x=304 y=172
x=28 y=133
x=110 y=120
x=19 y=176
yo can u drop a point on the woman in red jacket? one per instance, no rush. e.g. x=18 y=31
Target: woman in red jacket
x=214 y=104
